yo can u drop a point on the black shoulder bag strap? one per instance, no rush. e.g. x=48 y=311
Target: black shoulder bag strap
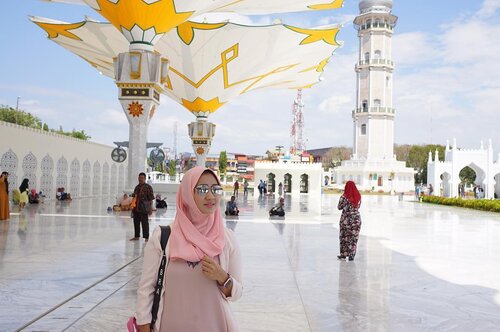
x=165 y=234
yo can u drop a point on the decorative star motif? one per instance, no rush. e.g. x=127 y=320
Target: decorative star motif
x=135 y=109
x=200 y=150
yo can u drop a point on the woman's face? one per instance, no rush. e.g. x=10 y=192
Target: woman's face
x=208 y=203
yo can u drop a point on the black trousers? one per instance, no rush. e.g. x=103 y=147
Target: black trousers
x=141 y=218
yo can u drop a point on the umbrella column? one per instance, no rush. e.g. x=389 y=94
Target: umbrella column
x=201 y=132
x=139 y=74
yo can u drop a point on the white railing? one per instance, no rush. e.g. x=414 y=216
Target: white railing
x=375 y=110
x=376 y=62
x=376 y=25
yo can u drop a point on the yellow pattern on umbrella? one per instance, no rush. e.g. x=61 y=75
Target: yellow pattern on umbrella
x=186 y=30
x=327 y=35
x=54 y=30
x=335 y=4
x=161 y=14
x=200 y=105
x=319 y=68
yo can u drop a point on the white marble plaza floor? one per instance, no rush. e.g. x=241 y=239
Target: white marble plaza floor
x=68 y=266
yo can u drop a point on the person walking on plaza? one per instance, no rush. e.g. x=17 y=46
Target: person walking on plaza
x=203 y=264
x=350 y=221
x=143 y=194
x=4 y=196
x=236 y=188
x=280 y=189
x=24 y=191
x=245 y=188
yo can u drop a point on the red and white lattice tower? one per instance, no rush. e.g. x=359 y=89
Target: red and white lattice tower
x=297 y=145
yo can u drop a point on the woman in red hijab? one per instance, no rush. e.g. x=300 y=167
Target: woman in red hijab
x=350 y=221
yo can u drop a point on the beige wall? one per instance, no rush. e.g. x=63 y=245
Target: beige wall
x=51 y=160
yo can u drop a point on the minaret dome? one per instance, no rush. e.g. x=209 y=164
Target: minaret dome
x=376 y=5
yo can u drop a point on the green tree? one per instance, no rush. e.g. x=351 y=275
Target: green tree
x=335 y=156
x=222 y=162
x=418 y=155
x=22 y=118
x=79 y=134
x=467 y=175
x=171 y=168
x=402 y=151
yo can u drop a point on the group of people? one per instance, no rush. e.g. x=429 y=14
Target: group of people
x=236 y=188
x=201 y=260
x=21 y=196
x=478 y=192
x=262 y=187
x=420 y=190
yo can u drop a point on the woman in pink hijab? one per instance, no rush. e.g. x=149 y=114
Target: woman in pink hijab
x=203 y=268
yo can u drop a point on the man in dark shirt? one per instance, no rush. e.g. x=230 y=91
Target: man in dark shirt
x=278 y=209
x=231 y=207
x=143 y=194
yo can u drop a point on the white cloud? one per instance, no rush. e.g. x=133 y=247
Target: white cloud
x=445 y=85
x=345 y=19
x=413 y=48
x=455 y=93
x=334 y=104
x=488 y=9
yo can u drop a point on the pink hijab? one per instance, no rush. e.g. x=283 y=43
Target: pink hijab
x=195 y=234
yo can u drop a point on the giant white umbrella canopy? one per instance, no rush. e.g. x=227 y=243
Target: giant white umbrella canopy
x=145 y=21
x=211 y=63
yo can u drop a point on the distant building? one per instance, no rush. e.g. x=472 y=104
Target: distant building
x=296 y=176
x=445 y=175
x=373 y=165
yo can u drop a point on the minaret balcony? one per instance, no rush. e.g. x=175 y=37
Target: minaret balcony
x=376 y=26
x=375 y=62
x=386 y=110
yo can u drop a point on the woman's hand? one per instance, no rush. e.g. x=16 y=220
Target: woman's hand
x=212 y=270
x=144 y=328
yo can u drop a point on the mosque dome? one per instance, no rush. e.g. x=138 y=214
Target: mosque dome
x=365 y=5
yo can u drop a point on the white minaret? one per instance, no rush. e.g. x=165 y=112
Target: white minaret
x=374 y=114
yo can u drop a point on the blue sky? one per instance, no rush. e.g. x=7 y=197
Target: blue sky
x=446 y=81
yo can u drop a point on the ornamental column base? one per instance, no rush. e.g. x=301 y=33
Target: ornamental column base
x=201 y=132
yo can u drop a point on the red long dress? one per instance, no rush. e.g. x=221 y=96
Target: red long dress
x=4 y=201
x=350 y=226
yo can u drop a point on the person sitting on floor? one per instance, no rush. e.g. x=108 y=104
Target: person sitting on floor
x=160 y=203
x=33 y=197
x=231 y=207
x=125 y=203
x=278 y=209
x=62 y=195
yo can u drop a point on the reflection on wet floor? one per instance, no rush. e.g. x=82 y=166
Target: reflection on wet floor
x=417 y=267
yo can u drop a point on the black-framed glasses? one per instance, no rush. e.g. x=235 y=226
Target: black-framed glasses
x=203 y=189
